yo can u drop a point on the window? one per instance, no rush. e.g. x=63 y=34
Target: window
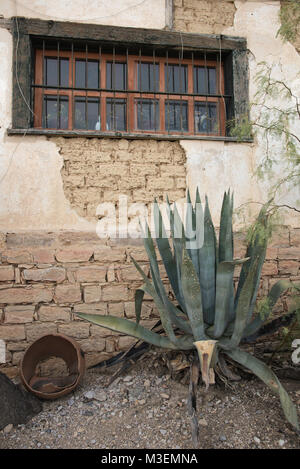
x=112 y=90
x=143 y=82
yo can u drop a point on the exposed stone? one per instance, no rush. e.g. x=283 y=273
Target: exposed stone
x=74 y=255
x=93 y=344
x=92 y=294
x=116 y=309
x=114 y=293
x=43 y=256
x=91 y=274
x=125 y=342
x=289 y=267
x=94 y=308
x=18 y=314
x=17 y=256
x=78 y=330
x=7 y=273
x=36 y=330
x=26 y=295
x=54 y=313
x=108 y=254
x=67 y=294
x=53 y=274
x=13 y=333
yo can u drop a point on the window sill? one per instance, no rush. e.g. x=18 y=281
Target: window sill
x=95 y=134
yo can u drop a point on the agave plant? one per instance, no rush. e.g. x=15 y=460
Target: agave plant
x=209 y=315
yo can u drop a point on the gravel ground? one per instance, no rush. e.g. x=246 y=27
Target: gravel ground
x=146 y=408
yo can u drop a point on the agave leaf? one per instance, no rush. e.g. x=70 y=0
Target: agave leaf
x=207 y=264
x=136 y=330
x=190 y=229
x=226 y=235
x=242 y=309
x=138 y=301
x=256 y=249
x=165 y=251
x=174 y=313
x=192 y=295
x=224 y=295
x=263 y=372
x=276 y=291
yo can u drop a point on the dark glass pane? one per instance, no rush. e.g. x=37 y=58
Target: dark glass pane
x=147 y=114
x=116 y=76
x=51 y=74
x=176 y=78
x=148 y=77
x=93 y=74
x=206 y=118
x=176 y=115
x=205 y=80
x=80 y=73
x=64 y=72
x=87 y=114
x=115 y=114
x=56 y=112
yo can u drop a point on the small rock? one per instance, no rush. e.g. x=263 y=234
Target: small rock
x=163 y=432
x=142 y=401
x=147 y=383
x=256 y=439
x=281 y=442
x=71 y=401
x=89 y=395
x=165 y=396
x=100 y=396
x=8 y=428
x=222 y=438
x=203 y=422
x=127 y=378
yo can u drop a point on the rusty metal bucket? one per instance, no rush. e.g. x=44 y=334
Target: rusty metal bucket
x=52 y=345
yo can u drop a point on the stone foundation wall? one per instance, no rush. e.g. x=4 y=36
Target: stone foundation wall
x=47 y=277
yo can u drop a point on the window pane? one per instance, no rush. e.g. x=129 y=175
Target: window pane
x=206 y=118
x=205 y=80
x=176 y=115
x=116 y=76
x=87 y=114
x=87 y=77
x=147 y=114
x=56 y=112
x=176 y=78
x=116 y=114
x=51 y=71
x=147 y=77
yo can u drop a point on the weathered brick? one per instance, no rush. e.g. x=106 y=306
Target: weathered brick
x=94 y=308
x=163 y=183
x=91 y=274
x=289 y=267
x=54 y=313
x=92 y=344
x=67 y=294
x=270 y=268
x=115 y=293
x=78 y=330
x=74 y=255
x=116 y=309
x=289 y=253
x=17 y=357
x=109 y=254
x=12 y=333
x=125 y=342
x=110 y=345
x=130 y=273
x=98 y=331
x=19 y=314
x=53 y=274
x=36 y=330
x=17 y=256
x=92 y=294
x=43 y=256
x=28 y=294
x=7 y=273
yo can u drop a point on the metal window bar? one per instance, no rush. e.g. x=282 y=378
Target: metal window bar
x=141 y=95
x=168 y=97
x=193 y=74
x=86 y=85
x=206 y=90
x=43 y=89
x=113 y=108
x=128 y=123
x=100 y=117
x=72 y=82
x=58 y=83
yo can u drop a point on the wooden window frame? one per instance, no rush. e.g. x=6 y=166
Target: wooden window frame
x=131 y=95
x=27 y=31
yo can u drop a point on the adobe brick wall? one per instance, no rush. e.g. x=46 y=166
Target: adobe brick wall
x=203 y=16
x=99 y=170
x=46 y=277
